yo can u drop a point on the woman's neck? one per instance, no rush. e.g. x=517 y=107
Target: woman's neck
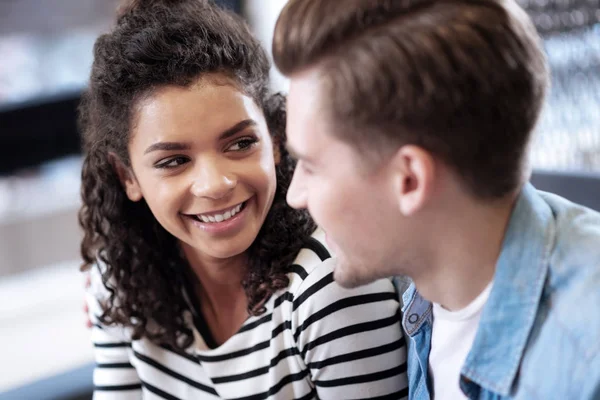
x=218 y=287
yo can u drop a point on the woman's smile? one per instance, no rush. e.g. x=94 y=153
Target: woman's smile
x=226 y=221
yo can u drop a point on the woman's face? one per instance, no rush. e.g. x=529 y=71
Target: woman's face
x=203 y=160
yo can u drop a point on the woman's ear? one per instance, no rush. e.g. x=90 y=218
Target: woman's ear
x=126 y=177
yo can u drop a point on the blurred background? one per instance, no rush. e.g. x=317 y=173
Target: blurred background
x=45 y=57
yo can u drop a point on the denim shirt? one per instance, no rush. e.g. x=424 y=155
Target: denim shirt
x=539 y=333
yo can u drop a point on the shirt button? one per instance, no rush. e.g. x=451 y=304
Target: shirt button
x=413 y=318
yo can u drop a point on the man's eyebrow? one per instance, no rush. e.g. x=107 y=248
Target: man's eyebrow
x=296 y=154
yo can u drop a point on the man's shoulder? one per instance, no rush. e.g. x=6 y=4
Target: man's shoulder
x=577 y=227
x=568 y=322
x=575 y=254
x=563 y=350
x=562 y=358
x=570 y=301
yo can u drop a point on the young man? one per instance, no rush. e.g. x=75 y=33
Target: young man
x=411 y=121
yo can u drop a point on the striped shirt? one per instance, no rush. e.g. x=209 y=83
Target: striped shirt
x=316 y=340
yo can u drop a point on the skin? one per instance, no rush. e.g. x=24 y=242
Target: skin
x=406 y=214
x=199 y=151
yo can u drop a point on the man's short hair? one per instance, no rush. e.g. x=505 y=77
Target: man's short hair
x=463 y=79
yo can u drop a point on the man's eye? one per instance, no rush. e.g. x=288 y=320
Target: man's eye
x=172 y=162
x=307 y=170
x=242 y=144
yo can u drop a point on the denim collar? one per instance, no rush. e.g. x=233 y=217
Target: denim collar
x=509 y=314
x=416 y=311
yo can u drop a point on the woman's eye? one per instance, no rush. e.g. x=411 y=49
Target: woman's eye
x=242 y=144
x=173 y=162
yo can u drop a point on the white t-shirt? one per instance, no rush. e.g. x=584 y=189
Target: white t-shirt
x=451 y=339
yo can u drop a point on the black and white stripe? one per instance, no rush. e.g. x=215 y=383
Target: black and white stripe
x=316 y=340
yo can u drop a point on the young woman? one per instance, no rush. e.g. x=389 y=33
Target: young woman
x=205 y=284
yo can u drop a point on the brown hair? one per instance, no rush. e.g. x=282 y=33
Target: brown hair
x=157 y=43
x=463 y=79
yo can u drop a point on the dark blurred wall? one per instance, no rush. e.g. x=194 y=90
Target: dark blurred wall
x=52 y=16
x=44 y=127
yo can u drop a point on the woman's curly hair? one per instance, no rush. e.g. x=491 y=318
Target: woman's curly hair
x=157 y=43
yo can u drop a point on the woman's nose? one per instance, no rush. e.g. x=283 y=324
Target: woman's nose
x=213 y=182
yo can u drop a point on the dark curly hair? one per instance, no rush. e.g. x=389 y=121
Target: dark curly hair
x=157 y=43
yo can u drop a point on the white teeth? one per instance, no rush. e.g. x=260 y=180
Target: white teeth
x=221 y=217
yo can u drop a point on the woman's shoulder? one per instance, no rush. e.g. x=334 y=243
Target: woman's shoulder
x=320 y=311
x=312 y=280
x=313 y=258
x=97 y=297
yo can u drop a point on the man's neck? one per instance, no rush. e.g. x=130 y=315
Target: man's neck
x=464 y=251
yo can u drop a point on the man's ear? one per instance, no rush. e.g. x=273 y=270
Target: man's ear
x=127 y=178
x=413 y=170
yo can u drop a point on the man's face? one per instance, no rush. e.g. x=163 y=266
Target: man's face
x=349 y=197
